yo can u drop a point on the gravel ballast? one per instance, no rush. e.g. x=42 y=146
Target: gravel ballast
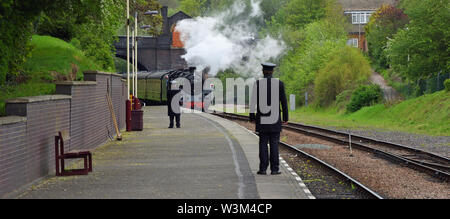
x=387 y=179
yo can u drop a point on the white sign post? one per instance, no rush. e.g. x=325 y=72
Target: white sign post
x=306 y=99
x=292 y=102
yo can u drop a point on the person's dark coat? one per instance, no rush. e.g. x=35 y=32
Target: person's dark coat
x=269 y=128
x=172 y=111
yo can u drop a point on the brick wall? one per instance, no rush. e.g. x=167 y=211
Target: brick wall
x=12 y=152
x=164 y=60
x=44 y=120
x=27 y=147
x=177 y=62
x=27 y=134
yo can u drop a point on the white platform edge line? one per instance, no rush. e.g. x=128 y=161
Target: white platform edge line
x=306 y=190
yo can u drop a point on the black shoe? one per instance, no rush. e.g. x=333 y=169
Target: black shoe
x=261 y=173
x=276 y=173
x=178 y=126
x=170 y=127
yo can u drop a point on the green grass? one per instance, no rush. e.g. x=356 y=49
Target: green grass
x=49 y=55
x=428 y=114
x=55 y=55
x=29 y=88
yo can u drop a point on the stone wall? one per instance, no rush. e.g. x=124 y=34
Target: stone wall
x=27 y=133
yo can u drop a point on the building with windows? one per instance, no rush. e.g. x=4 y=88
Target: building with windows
x=358 y=13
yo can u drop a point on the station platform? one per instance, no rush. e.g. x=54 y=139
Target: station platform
x=207 y=158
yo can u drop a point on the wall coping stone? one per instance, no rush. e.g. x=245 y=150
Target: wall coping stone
x=38 y=99
x=12 y=120
x=77 y=83
x=102 y=73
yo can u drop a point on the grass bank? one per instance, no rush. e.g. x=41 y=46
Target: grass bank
x=428 y=114
x=50 y=59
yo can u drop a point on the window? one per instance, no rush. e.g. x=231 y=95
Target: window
x=360 y=17
x=355 y=18
x=353 y=42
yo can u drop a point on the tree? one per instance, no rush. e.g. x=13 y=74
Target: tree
x=298 y=13
x=142 y=6
x=16 y=19
x=421 y=49
x=95 y=24
x=194 y=8
x=315 y=43
x=383 y=24
x=271 y=7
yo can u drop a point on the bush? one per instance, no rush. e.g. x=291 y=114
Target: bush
x=346 y=70
x=447 y=85
x=76 y=43
x=365 y=95
x=343 y=99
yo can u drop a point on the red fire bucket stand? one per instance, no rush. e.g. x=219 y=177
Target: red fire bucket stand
x=135 y=115
x=137 y=120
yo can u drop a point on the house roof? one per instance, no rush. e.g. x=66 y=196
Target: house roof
x=178 y=17
x=182 y=14
x=360 y=5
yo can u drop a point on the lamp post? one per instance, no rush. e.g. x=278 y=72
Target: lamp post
x=133 y=60
x=128 y=103
x=128 y=48
x=135 y=52
x=135 y=49
x=135 y=57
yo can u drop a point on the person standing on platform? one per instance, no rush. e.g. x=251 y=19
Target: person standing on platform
x=268 y=95
x=174 y=110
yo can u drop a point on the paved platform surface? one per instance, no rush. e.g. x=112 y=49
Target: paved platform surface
x=208 y=158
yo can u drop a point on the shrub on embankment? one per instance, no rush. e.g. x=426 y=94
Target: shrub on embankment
x=365 y=95
x=346 y=70
x=447 y=85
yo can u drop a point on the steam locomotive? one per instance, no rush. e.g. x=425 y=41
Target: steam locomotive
x=153 y=87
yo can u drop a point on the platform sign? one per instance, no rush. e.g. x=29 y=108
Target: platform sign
x=292 y=102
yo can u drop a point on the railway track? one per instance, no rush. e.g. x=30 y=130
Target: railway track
x=357 y=189
x=430 y=163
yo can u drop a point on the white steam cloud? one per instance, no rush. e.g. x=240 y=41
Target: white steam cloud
x=227 y=41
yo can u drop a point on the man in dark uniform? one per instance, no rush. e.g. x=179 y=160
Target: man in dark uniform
x=267 y=96
x=174 y=111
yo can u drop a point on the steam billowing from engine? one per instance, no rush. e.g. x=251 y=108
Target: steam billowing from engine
x=228 y=40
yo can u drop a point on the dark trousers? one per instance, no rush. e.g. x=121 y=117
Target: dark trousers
x=178 y=120
x=264 y=157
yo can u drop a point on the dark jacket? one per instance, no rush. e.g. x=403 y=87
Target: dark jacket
x=171 y=111
x=254 y=107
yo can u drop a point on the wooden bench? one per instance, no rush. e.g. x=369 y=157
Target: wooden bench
x=61 y=156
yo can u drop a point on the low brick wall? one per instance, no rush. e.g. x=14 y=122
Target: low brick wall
x=13 y=153
x=27 y=133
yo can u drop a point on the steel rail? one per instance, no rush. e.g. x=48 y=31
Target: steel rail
x=365 y=191
x=416 y=151
x=361 y=188
x=438 y=170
